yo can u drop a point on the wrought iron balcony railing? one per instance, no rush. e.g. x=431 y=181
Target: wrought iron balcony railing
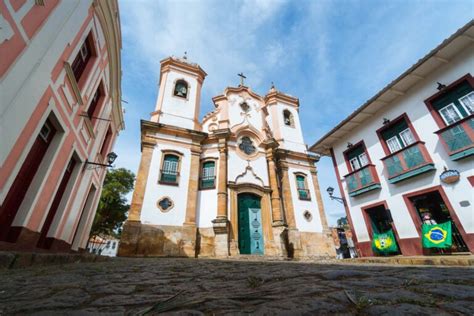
x=362 y=180
x=169 y=177
x=408 y=162
x=303 y=194
x=207 y=183
x=458 y=138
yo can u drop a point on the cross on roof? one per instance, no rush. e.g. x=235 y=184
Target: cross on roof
x=242 y=77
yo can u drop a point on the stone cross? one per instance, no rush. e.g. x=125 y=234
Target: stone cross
x=242 y=77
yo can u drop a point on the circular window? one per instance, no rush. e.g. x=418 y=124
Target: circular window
x=246 y=145
x=165 y=204
x=308 y=216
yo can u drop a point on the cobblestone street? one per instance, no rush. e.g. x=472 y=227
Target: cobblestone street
x=192 y=286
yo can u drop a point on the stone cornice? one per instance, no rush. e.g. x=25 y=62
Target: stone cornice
x=284 y=154
x=107 y=12
x=180 y=64
x=274 y=96
x=148 y=126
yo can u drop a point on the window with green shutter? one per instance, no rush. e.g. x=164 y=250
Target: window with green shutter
x=208 y=175
x=398 y=136
x=456 y=103
x=169 y=171
x=303 y=192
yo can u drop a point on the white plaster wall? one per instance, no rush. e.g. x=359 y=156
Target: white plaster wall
x=300 y=206
x=413 y=104
x=179 y=111
x=29 y=71
x=237 y=166
x=154 y=191
x=207 y=199
x=292 y=137
x=236 y=114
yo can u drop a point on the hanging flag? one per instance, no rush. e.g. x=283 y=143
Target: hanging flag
x=384 y=242
x=437 y=236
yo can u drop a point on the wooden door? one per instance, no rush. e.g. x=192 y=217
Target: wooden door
x=250 y=225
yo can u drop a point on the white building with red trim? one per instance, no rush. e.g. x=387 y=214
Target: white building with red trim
x=391 y=154
x=60 y=108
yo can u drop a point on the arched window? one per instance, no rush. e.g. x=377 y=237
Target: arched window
x=181 y=89
x=288 y=118
x=169 y=169
x=301 y=186
x=208 y=175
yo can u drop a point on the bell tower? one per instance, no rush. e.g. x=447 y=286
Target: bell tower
x=179 y=94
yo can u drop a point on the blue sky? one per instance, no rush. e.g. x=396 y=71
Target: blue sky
x=332 y=55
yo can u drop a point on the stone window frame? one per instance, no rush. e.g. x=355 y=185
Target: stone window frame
x=180 y=156
x=169 y=208
x=175 y=82
x=306 y=187
x=201 y=165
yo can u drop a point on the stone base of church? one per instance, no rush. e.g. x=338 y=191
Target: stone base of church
x=308 y=245
x=141 y=240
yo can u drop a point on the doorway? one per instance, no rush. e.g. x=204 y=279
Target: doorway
x=432 y=203
x=379 y=221
x=250 y=224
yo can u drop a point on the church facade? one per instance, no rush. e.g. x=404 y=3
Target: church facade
x=241 y=181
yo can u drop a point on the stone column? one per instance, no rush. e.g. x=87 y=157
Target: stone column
x=221 y=223
x=277 y=216
x=287 y=198
x=319 y=200
x=193 y=185
x=140 y=184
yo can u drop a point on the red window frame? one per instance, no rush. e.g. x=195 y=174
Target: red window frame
x=96 y=103
x=393 y=122
x=83 y=61
x=429 y=102
x=353 y=147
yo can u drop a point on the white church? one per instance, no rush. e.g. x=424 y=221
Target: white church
x=239 y=182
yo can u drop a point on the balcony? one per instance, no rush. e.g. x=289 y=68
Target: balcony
x=207 y=183
x=458 y=138
x=362 y=180
x=169 y=177
x=408 y=162
x=303 y=194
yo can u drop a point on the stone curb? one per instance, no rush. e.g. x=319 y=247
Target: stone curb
x=464 y=261
x=19 y=260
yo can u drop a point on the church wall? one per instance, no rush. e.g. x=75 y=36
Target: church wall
x=179 y=111
x=235 y=112
x=292 y=136
x=154 y=191
x=301 y=205
x=237 y=167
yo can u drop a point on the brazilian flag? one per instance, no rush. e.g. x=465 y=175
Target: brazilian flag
x=384 y=242
x=437 y=236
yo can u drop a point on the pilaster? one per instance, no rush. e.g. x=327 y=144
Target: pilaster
x=319 y=200
x=193 y=186
x=221 y=223
x=287 y=198
x=277 y=216
x=140 y=184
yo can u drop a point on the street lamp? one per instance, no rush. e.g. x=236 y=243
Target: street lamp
x=110 y=160
x=330 y=191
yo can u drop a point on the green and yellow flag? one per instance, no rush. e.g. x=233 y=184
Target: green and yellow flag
x=437 y=236
x=384 y=242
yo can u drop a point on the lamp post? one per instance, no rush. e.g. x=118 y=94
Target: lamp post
x=110 y=160
x=330 y=191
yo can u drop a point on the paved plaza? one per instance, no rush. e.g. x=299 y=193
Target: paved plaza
x=197 y=286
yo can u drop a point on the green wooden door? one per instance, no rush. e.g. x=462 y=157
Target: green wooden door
x=250 y=224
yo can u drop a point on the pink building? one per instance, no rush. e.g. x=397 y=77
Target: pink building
x=60 y=108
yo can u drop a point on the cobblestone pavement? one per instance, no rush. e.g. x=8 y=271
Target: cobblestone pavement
x=197 y=286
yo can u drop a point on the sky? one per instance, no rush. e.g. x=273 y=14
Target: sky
x=332 y=55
